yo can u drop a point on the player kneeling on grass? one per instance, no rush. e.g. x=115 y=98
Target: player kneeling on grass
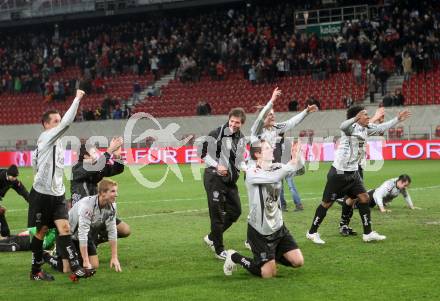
x=90 y=170
x=267 y=235
x=88 y=216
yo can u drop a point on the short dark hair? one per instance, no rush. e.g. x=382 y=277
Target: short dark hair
x=238 y=112
x=46 y=115
x=255 y=147
x=84 y=151
x=354 y=110
x=12 y=171
x=404 y=178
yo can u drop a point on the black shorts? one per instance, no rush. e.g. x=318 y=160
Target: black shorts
x=44 y=209
x=269 y=247
x=342 y=183
x=370 y=194
x=91 y=248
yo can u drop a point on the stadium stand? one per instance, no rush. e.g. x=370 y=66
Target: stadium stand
x=227 y=57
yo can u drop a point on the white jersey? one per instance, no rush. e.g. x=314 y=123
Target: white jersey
x=351 y=148
x=272 y=134
x=264 y=188
x=86 y=219
x=48 y=158
x=389 y=191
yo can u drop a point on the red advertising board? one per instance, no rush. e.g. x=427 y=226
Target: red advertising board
x=388 y=150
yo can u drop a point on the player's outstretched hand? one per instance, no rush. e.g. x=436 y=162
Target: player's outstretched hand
x=275 y=94
x=114 y=263
x=312 y=108
x=80 y=93
x=115 y=144
x=378 y=115
x=403 y=115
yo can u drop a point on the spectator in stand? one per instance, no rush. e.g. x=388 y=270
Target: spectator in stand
x=383 y=77
x=348 y=101
x=357 y=71
x=97 y=114
x=57 y=64
x=107 y=103
x=136 y=91
x=126 y=112
x=117 y=113
x=293 y=105
x=252 y=75
x=154 y=65
x=203 y=108
x=388 y=100
x=220 y=71
x=399 y=99
x=407 y=66
x=98 y=84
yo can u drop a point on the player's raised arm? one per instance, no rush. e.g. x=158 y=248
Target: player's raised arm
x=56 y=132
x=258 y=125
x=295 y=120
x=380 y=128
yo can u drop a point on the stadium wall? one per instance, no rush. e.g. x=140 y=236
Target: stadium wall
x=422 y=124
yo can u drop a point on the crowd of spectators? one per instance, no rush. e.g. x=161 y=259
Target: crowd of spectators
x=111 y=108
x=258 y=40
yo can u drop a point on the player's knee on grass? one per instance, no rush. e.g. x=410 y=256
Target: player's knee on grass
x=123 y=230
x=269 y=269
x=295 y=257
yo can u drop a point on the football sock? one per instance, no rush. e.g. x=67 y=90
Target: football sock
x=68 y=251
x=37 y=254
x=4 y=227
x=247 y=263
x=364 y=211
x=346 y=214
x=320 y=214
x=55 y=262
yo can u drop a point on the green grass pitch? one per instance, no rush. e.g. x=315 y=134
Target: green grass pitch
x=166 y=259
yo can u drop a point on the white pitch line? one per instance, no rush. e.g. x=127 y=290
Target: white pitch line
x=202 y=198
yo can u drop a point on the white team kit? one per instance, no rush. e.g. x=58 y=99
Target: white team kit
x=48 y=158
x=351 y=149
x=388 y=191
x=86 y=219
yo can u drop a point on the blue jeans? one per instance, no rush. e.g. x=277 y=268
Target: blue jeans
x=293 y=191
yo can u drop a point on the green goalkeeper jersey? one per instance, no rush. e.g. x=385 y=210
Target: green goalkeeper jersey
x=49 y=238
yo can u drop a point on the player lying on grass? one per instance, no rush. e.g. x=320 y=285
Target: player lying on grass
x=269 y=238
x=22 y=241
x=87 y=217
